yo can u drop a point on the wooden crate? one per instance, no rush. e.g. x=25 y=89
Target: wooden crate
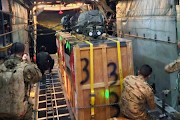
x=67 y=80
x=106 y=74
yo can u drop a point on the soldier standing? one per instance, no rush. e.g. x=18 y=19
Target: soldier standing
x=136 y=94
x=172 y=67
x=16 y=76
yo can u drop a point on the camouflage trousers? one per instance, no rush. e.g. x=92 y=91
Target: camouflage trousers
x=27 y=115
x=147 y=116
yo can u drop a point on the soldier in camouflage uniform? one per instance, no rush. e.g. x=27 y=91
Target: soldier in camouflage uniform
x=136 y=94
x=31 y=75
x=174 y=66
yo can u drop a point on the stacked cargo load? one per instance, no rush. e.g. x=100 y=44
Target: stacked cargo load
x=92 y=71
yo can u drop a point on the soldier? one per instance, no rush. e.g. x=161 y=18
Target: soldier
x=136 y=94
x=16 y=77
x=44 y=60
x=174 y=66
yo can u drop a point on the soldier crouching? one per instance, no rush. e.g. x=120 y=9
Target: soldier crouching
x=136 y=94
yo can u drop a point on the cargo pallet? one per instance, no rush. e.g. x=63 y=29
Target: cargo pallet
x=93 y=72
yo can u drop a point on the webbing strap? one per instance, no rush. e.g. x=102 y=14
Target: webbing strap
x=5 y=48
x=119 y=61
x=92 y=80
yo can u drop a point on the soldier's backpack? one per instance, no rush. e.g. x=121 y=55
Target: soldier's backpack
x=12 y=92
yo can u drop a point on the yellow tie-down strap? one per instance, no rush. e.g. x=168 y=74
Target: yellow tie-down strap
x=5 y=48
x=119 y=61
x=92 y=80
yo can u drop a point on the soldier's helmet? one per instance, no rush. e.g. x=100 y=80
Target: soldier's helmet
x=42 y=49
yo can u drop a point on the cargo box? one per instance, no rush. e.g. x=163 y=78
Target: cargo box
x=74 y=59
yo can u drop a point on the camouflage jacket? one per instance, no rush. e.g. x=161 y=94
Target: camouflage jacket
x=136 y=94
x=31 y=73
x=174 y=66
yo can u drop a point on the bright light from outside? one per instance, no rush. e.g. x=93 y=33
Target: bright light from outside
x=40 y=6
x=79 y=3
x=58 y=1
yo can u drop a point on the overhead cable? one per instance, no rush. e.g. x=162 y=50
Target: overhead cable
x=14 y=31
x=11 y=32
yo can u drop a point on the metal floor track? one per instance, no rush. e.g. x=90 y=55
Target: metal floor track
x=51 y=103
